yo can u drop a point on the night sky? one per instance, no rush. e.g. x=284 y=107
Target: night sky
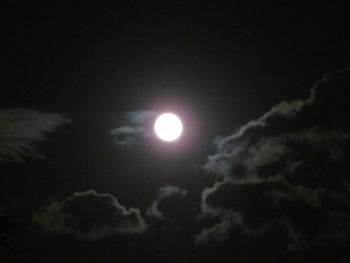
x=260 y=174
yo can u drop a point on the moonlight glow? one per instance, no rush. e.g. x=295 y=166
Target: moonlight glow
x=168 y=127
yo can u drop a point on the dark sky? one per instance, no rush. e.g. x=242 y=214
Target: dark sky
x=260 y=174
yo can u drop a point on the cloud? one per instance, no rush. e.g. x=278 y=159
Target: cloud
x=286 y=170
x=221 y=230
x=134 y=128
x=74 y=216
x=172 y=217
x=22 y=129
x=218 y=232
x=168 y=199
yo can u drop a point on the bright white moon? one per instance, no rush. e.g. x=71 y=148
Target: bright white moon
x=168 y=127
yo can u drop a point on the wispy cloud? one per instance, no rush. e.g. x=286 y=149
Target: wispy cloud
x=22 y=129
x=133 y=127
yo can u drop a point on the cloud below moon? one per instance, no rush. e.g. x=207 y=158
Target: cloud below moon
x=74 y=216
x=168 y=198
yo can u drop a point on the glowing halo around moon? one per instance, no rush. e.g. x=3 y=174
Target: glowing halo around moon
x=168 y=127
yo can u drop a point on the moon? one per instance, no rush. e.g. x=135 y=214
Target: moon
x=168 y=127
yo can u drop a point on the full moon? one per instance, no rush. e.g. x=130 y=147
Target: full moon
x=168 y=127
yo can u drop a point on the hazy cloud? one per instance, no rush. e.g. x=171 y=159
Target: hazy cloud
x=74 y=216
x=133 y=126
x=22 y=129
x=286 y=170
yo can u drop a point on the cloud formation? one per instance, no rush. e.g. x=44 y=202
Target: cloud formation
x=134 y=127
x=167 y=203
x=74 y=216
x=286 y=171
x=22 y=129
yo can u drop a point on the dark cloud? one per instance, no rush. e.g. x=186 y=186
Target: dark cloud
x=168 y=199
x=134 y=126
x=285 y=170
x=22 y=129
x=75 y=216
x=172 y=220
x=221 y=230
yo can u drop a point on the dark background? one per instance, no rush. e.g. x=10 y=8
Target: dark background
x=227 y=64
